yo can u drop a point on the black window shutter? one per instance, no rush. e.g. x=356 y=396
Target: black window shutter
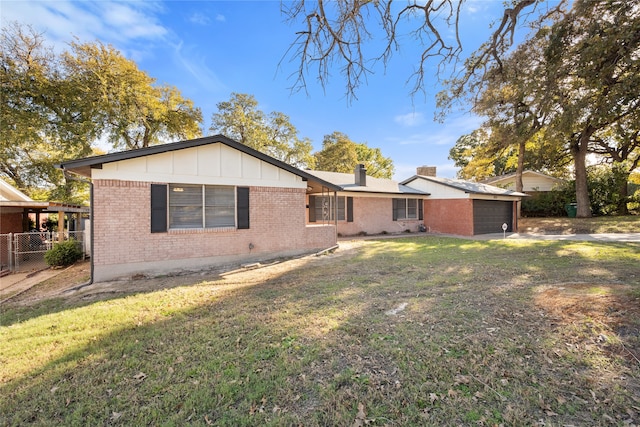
x=243 y=207
x=312 y=208
x=395 y=209
x=349 y=209
x=420 y=209
x=158 y=208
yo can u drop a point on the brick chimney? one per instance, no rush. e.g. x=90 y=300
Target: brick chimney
x=361 y=175
x=426 y=170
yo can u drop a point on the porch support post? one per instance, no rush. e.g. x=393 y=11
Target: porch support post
x=60 y=226
x=25 y=220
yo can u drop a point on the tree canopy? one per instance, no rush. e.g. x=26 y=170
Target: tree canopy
x=57 y=107
x=340 y=154
x=571 y=81
x=272 y=134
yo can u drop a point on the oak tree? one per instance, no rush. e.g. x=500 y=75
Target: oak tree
x=240 y=118
x=340 y=154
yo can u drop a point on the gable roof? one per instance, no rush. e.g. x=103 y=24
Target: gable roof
x=83 y=166
x=346 y=182
x=467 y=186
x=508 y=176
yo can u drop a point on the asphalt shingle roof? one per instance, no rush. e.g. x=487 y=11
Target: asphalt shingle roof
x=468 y=186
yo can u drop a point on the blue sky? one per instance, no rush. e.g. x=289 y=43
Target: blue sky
x=209 y=49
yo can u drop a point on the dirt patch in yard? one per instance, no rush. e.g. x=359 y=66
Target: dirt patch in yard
x=71 y=284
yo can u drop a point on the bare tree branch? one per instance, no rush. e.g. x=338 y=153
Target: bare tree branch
x=337 y=34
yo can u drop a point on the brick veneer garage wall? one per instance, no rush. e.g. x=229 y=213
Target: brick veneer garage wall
x=450 y=216
x=124 y=244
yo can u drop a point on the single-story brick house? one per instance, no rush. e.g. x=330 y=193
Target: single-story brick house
x=367 y=205
x=196 y=204
x=463 y=207
x=532 y=182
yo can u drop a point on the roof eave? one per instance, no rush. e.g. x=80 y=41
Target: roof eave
x=83 y=166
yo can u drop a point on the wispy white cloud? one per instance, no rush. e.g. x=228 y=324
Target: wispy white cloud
x=221 y=18
x=197 y=68
x=410 y=119
x=199 y=19
x=476 y=6
x=112 y=22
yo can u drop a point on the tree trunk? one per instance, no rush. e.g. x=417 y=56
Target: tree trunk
x=623 y=191
x=579 y=152
x=519 y=170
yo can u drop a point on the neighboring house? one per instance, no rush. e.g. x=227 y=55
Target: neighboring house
x=12 y=218
x=465 y=208
x=367 y=205
x=531 y=182
x=196 y=204
x=18 y=212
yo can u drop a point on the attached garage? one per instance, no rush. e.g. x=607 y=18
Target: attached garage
x=465 y=208
x=489 y=215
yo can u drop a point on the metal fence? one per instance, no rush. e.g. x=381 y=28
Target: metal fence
x=25 y=251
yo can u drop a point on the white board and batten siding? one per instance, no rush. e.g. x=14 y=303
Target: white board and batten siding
x=213 y=164
x=436 y=190
x=531 y=181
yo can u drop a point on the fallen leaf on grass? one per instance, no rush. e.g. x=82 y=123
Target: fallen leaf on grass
x=461 y=379
x=433 y=397
x=140 y=376
x=361 y=417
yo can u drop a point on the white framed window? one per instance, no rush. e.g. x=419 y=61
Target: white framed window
x=405 y=209
x=201 y=206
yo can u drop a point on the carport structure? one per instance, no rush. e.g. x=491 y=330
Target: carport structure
x=18 y=243
x=16 y=214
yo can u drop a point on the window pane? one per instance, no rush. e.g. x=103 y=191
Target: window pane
x=220 y=206
x=412 y=208
x=402 y=208
x=185 y=206
x=341 y=205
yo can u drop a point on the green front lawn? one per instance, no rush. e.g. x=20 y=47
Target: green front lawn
x=411 y=331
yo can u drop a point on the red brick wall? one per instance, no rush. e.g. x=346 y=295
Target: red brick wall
x=122 y=235
x=374 y=215
x=450 y=216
